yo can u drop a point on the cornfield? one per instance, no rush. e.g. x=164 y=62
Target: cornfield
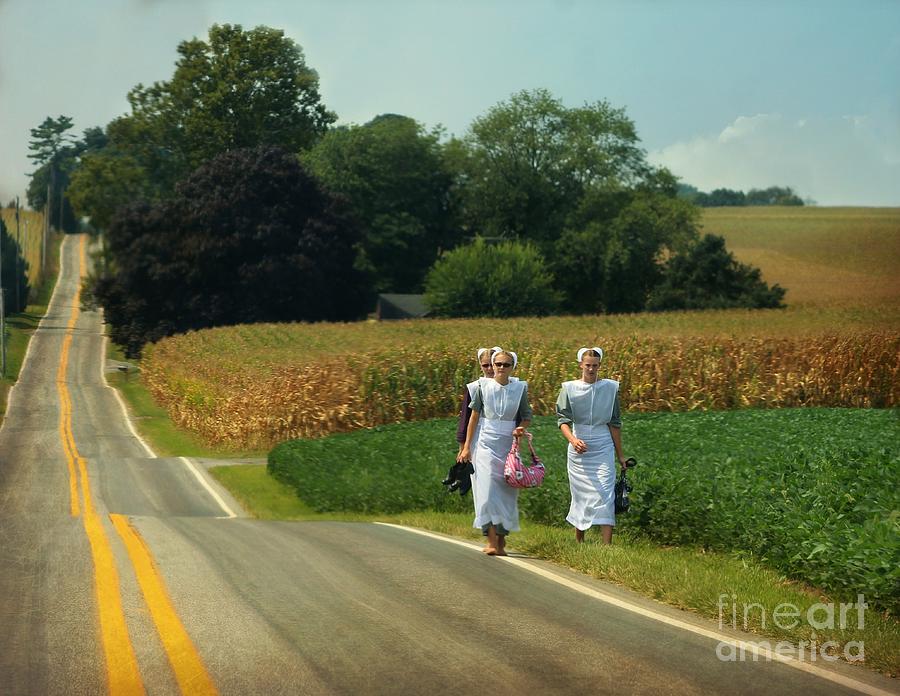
x=31 y=224
x=253 y=386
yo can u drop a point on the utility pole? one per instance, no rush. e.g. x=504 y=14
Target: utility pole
x=18 y=254
x=2 y=316
x=44 y=233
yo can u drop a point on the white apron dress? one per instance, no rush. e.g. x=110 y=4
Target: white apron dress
x=496 y=502
x=592 y=475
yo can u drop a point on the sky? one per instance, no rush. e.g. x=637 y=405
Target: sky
x=725 y=93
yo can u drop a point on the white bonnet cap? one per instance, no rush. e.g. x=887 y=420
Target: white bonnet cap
x=582 y=351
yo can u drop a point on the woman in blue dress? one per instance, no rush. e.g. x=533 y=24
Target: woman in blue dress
x=498 y=405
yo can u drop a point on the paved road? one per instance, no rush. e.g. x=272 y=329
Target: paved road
x=120 y=572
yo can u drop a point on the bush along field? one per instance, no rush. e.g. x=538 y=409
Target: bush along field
x=809 y=492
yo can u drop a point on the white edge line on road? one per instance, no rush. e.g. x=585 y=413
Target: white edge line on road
x=753 y=648
x=212 y=491
x=187 y=462
x=115 y=391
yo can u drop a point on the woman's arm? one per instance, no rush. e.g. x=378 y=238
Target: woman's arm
x=465 y=454
x=615 y=430
x=464 y=414
x=565 y=420
x=524 y=414
x=578 y=445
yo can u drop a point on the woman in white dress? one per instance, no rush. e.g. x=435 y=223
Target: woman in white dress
x=498 y=405
x=588 y=415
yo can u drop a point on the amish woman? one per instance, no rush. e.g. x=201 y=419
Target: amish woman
x=499 y=402
x=588 y=415
x=483 y=355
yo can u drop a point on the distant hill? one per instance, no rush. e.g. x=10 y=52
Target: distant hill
x=823 y=256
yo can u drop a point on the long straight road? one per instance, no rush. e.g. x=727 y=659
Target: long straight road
x=122 y=573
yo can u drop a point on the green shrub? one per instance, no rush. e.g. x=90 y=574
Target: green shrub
x=491 y=280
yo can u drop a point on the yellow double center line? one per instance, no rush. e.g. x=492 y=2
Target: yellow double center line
x=123 y=675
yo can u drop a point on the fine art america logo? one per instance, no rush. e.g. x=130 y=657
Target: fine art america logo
x=819 y=616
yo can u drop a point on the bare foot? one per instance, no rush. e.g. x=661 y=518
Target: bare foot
x=490 y=551
x=501 y=552
x=501 y=545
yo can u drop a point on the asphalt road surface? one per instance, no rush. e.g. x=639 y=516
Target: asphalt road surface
x=123 y=573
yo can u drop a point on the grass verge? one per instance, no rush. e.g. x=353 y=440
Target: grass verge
x=684 y=577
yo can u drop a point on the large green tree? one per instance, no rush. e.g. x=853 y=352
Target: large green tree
x=52 y=152
x=707 y=276
x=248 y=237
x=240 y=88
x=526 y=164
x=393 y=173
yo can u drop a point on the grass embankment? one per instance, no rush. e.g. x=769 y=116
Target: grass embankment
x=822 y=256
x=22 y=325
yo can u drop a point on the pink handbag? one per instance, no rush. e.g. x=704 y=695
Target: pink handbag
x=516 y=473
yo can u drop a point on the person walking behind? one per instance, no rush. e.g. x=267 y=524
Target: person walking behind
x=588 y=416
x=483 y=356
x=497 y=405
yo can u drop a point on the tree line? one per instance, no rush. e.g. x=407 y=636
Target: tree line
x=228 y=195
x=720 y=197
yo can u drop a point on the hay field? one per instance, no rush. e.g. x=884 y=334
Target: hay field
x=823 y=256
x=29 y=238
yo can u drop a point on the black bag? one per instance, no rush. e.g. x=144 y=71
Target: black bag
x=623 y=488
x=459 y=478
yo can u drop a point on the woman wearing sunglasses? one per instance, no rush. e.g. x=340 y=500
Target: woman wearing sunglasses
x=588 y=416
x=483 y=356
x=500 y=411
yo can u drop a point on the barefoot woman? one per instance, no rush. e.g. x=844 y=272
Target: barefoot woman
x=498 y=403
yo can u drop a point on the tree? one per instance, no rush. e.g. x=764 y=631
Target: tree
x=103 y=182
x=50 y=148
x=709 y=277
x=393 y=173
x=485 y=280
x=15 y=270
x=526 y=164
x=248 y=237
x=238 y=89
x=611 y=259
x=774 y=195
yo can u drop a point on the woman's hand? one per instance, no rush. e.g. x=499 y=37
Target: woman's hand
x=463 y=455
x=579 y=445
x=518 y=432
x=622 y=464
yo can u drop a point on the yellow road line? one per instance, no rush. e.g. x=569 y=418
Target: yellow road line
x=190 y=671
x=123 y=675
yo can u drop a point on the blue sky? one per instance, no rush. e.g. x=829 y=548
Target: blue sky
x=726 y=93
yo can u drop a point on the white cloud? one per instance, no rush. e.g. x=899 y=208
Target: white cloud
x=852 y=160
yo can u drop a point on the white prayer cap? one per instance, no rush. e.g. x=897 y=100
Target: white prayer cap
x=582 y=351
